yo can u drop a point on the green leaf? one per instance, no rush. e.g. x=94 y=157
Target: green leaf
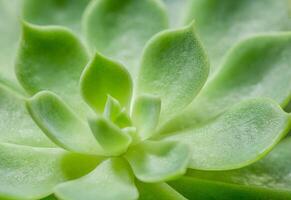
x=176 y=11
x=161 y=191
x=224 y=23
x=120 y=29
x=174 y=67
x=32 y=173
x=55 y=12
x=266 y=179
x=110 y=137
x=103 y=77
x=270 y=172
x=111 y=180
x=112 y=108
x=51 y=58
x=16 y=125
x=9 y=34
x=256 y=67
x=146 y=113
x=155 y=161
x=238 y=137
x=61 y=124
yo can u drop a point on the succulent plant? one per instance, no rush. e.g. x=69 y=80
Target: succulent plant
x=131 y=99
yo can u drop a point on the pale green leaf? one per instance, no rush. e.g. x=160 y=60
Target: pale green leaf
x=145 y=115
x=223 y=23
x=111 y=180
x=161 y=191
x=103 y=77
x=257 y=67
x=61 y=124
x=55 y=12
x=51 y=58
x=155 y=161
x=29 y=173
x=112 y=108
x=109 y=136
x=176 y=11
x=120 y=29
x=174 y=67
x=16 y=125
x=238 y=137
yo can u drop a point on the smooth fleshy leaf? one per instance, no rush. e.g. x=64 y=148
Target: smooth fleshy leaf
x=267 y=178
x=61 y=124
x=55 y=12
x=174 y=67
x=223 y=23
x=145 y=115
x=238 y=137
x=155 y=161
x=161 y=191
x=120 y=29
x=176 y=11
x=257 y=67
x=111 y=180
x=32 y=173
x=110 y=137
x=270 y=172
x=112 y=108
x=16 y=125
x=9 y=35
x=122 y=119
x=51 y=58
x=103 y=77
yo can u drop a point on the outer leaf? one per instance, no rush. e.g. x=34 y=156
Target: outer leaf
x=146 y=113
x=103 y=77
x=120 y=29
x=110 y=137
x=61 y=124
x=16 y=126
x=176 y=11
x=53 y=12
x=9 y=33
x=111 y=180
x=267 y=178
x=174 y=67
x=257 y=67
x=238 y=137
x=31 y=173
x=158 y=161
x=51 y=58
x=161 y=191
x=223 y=23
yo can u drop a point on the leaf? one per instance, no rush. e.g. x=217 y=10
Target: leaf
x=111 y=180
x=161 y=191
x=110 y=137
x=176 y=11
x=155 y=161
x=117 y=30
x=15 y=123
x=112 y=108
x=224 y=23
x=267 y=178
x=51 y=58
x=146 y=113
x=238 y=137
x=198 y=189
x=174 y=67
x=55 y=12
x=31 y=173
x=103 y=77
x=256 y=67
x=61 y=124
x=270 y=172
x=9 y=34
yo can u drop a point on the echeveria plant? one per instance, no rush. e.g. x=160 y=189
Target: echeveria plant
x=111 y=102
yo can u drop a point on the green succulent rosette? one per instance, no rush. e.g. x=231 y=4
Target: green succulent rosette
x=131 y=99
